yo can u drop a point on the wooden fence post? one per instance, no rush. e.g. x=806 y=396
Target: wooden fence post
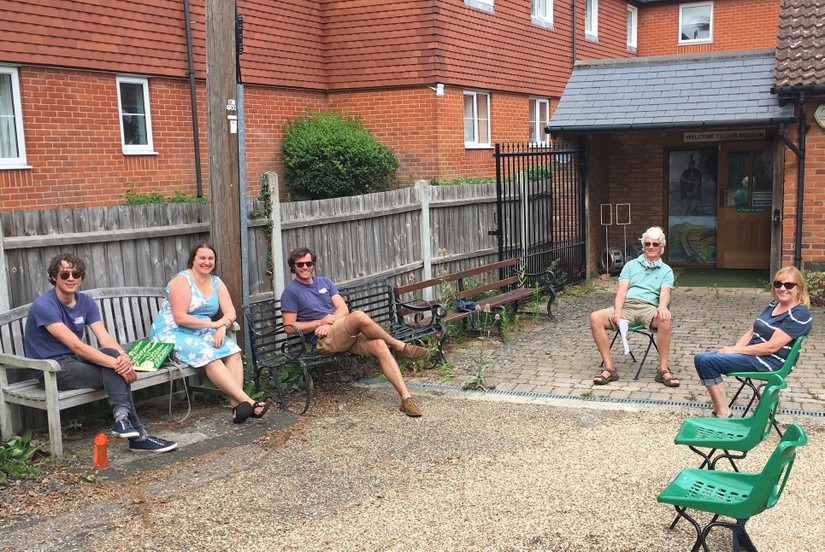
x=423 y=188
x=4 y=284
x=278 y=279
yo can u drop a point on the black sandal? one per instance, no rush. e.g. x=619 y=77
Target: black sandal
x=602 y=380
x=672 y=381
x=263 y=405
x=242 y=412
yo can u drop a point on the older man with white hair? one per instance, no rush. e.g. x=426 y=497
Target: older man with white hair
x=643 y=297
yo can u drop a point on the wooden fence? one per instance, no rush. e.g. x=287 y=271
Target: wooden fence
x=404 y=234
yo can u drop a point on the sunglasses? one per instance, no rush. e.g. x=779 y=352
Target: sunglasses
x=652 y=244
x=76 y=274
x=787 y=285
x=307 y=264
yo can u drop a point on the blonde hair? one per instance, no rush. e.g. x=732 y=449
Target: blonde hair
x=797 y=277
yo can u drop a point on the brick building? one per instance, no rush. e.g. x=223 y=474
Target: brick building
x=97 y=97
x=700 y=134
x=100 y=94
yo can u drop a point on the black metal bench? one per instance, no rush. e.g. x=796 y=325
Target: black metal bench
x=276 y=352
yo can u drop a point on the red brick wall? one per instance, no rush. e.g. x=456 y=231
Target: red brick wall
x=625 y=168
x=813 y=219
x=73 y=140
x=737 y=25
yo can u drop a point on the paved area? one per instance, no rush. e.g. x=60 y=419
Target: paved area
x=559 y=357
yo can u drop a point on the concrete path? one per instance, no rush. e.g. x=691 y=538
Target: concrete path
x=558 y=357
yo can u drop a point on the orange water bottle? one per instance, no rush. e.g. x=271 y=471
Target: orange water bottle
x=100 y=450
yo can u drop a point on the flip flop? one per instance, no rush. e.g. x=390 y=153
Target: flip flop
x=263 y=405
x=242 y=412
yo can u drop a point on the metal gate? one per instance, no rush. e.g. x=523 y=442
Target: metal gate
x=541 y=210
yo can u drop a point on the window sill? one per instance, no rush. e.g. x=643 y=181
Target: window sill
x=480 y=5
x=131 y=153
x=542 y=23
x=22 y=167
x=478 y=146
x=591 y=37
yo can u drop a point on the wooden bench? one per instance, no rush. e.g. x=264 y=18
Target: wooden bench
x=127 y=314
x=504 y=277
x=273 y=350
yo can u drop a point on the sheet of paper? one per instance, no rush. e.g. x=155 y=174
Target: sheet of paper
x=623 y=333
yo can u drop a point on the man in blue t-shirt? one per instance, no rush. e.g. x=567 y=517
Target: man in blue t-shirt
x=643 y=297
x=54 y=330
x=313 y=305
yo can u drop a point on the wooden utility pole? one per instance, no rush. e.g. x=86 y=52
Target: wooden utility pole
x=222 y=116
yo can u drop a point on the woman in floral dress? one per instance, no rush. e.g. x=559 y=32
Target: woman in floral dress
x=193 y=297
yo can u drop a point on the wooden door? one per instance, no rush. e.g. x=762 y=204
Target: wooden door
x=744 y=204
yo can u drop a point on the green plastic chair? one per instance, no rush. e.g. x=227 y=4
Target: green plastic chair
x=735 y=495
x=733 y=434
x=747 y=378
x=645 y=331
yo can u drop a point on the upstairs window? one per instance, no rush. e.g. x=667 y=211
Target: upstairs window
x=632 y=27
x=591 y=19
x=476 y=119
x=539 y=118
x=135 y=116
x=541 y=12
x=12 y=144
x=696 y=23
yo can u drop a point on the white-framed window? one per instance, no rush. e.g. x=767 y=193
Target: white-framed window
x=541 y=12
x=539 y=118
x=591 y=19
x=135 y=115
x=12 y=143
x=632 y=26
x=476 y=119
x=484 y=5
x=696 y=23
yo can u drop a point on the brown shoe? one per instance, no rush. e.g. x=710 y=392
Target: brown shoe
x=409 y=408
x=412 y=352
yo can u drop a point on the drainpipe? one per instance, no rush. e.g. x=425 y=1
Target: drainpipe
x=799 y=151
x=194 y=98
x=800 y=179
x=574 y=33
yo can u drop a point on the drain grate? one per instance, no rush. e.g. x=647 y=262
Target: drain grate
x=542 y=395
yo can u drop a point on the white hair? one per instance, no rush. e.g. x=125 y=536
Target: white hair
x=654 y=233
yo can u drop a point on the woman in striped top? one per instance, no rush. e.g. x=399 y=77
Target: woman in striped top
x=764 y=347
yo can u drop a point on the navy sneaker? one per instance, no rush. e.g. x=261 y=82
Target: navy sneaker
x=152 y=444
x=123 y=428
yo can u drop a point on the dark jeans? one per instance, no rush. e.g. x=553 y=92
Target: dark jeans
x=78 y=373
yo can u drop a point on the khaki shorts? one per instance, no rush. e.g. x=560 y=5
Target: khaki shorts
x=339 y=341
x=637 y=313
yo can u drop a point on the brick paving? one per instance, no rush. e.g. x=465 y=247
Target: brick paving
x=559 y=356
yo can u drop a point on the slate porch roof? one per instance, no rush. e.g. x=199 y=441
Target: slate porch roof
x=696 y=91
x=800 y=45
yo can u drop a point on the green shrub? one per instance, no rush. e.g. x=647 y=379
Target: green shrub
x=16 y=458
x=134 y=196
x=816 y=287
x=327 y=154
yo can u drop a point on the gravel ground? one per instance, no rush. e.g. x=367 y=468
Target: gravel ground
x=475 y=472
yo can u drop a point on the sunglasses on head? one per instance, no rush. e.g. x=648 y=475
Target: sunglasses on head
x=307 y=264
x=652 y=244
x=787 y=285
x=76 y=274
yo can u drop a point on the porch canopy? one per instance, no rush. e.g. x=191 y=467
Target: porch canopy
x=685 y=91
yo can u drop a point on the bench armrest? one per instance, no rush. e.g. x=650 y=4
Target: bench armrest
x=547 y=277
x=424 y=310
x=21 y=363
